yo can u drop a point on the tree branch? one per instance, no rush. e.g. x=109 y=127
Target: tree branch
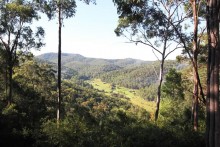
x=4 y=43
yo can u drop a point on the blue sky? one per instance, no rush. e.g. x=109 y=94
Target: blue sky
x=91 y=34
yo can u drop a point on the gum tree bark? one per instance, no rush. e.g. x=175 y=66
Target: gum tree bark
x=213 y=122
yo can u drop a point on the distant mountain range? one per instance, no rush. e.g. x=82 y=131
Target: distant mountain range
x=131 y=73
x=68 y=59
x=91 y=66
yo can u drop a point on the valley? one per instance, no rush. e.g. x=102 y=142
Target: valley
x=126 y=79
x=58 y=99
x=123 y=93
x=104 y=103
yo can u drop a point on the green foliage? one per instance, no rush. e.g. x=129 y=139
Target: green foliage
x=9 y=110
x=33 y=87
x=91 y=117
x=129 y=73
x=172 y=87
x=2 y=73
x=16 y=16
x=51 y=8
x=175 y=116
x=69 y=132
x=140 y=21
x=96 y=114
x=149 y=93
x=16 y=35
x=68 y=7
x=137 y=77
x=89 y=67
x=124 y=94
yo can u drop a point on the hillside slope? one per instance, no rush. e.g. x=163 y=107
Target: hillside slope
x=130 y=73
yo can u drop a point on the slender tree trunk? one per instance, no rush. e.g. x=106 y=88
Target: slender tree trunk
x=9 y=85
x=59 y=65
x=159 y=90
x=6 y=82
x=179 y=34
x=161 y=77
x=161 y=72
x=213 y=118
x=195 y=101
x=195 y=67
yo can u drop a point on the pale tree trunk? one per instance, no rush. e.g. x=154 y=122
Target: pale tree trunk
x=161 y=76
x=59 y=65
x=159 y=90
x=195 y=67
x=163 y=57
x=213 y=123
x=195 y=100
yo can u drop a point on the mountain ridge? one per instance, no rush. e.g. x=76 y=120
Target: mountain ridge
x=130 y=73
x=51 y=55
x=91 y=67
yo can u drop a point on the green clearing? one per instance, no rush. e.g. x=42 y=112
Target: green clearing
x=125 y=93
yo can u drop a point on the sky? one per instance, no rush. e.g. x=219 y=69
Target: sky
x=91 y=33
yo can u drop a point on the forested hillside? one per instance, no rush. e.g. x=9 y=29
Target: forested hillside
x=83 y=102
x=90 y=67
x=130 y=73
x=96 y=116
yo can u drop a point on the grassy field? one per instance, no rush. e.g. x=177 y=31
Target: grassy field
x=130 y=94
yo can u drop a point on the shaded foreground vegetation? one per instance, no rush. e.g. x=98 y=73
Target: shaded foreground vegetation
x=90 y=117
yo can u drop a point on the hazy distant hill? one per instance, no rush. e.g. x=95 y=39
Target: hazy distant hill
x=68 y=58
x=129 y=72
x=91 y=67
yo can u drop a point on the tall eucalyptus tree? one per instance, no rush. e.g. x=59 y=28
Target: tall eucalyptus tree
x=193 y=48
x=16 y=34
x=62 y=9
x=148 y=23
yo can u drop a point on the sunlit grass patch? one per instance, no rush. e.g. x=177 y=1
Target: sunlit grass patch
x=126 y=93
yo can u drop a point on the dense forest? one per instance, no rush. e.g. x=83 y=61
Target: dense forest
x=130 y=73
x=60 y=99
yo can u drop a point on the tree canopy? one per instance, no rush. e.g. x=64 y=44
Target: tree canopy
x=110 y=102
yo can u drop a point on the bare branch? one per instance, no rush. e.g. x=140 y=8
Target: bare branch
x=175 y=10
x=171 y=52
x=155 y=55
x=146 y=42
